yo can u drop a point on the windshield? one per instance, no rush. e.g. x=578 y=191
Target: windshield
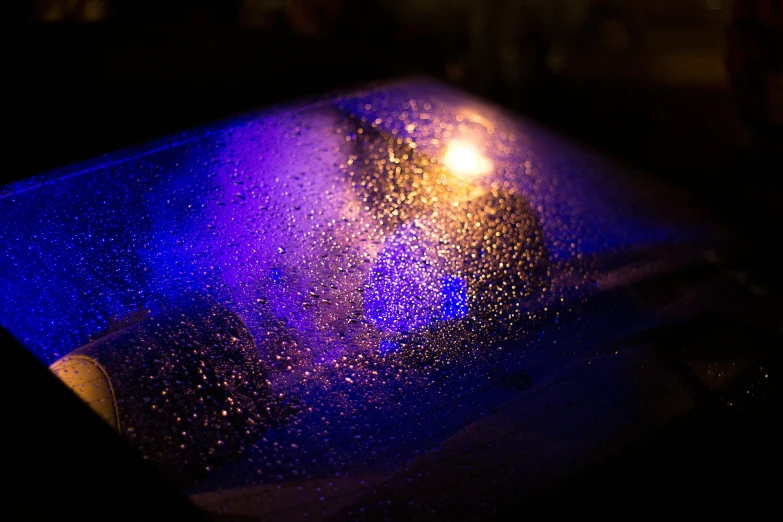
x=287 y=309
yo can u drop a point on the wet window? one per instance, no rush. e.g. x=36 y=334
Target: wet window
x=319 y=310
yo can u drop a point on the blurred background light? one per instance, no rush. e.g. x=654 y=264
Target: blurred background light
x=465 y=161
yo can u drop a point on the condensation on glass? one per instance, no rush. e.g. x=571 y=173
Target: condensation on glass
x=288 y=310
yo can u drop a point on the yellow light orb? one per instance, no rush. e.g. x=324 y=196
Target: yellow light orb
x=465 y=161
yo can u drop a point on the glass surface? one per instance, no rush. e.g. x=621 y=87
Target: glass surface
x=297 y=307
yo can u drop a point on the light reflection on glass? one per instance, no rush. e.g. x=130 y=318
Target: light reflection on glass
x=386 y=286
x=465 y=161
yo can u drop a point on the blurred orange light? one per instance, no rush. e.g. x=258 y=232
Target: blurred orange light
x=465 y=161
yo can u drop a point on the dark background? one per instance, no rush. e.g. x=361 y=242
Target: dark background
x=644 y=82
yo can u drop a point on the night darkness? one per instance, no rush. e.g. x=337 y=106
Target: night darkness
x=688 y=92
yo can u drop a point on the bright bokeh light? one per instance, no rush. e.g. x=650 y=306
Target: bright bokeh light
x=464 y=160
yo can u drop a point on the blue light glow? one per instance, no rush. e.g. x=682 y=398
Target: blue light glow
x=395 y=291
x=257 y=212
x=454 y=292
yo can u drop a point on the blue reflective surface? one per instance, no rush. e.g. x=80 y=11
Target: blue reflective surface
x=232 y=211
x=406 y=259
